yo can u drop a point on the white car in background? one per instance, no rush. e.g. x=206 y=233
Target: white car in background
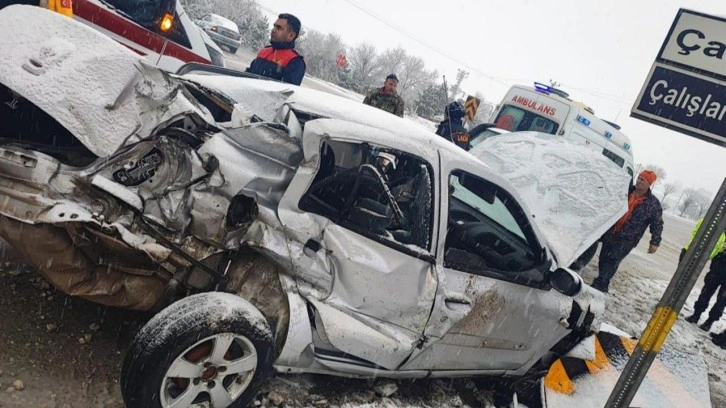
x=273 y=224
x=222 y=30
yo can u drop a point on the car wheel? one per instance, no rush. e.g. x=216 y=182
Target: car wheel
x=211 y=349
x=585 y=258
x=233 y=50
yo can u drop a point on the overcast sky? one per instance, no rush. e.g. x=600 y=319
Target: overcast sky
x=600 y=52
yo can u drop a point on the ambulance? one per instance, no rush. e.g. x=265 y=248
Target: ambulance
x=543 y=108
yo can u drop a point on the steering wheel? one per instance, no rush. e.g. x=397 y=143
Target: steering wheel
x=397 y=213
x=468 y=234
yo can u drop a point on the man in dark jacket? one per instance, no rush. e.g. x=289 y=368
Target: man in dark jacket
x=643 y=210
x=386 y=98
x=279 y=60
x=452 y=127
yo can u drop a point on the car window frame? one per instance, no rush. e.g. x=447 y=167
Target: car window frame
x=425 y=254
x=534 y=275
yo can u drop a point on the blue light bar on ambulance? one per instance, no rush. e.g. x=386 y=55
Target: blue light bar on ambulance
x=540 y=87
x=585 y=121
x=548 y=90
x=608 y=135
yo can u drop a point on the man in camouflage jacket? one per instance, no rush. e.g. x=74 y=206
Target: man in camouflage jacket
x=386 y=98
x=644 y=210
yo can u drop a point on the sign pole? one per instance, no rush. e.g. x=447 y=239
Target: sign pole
x=666 y=313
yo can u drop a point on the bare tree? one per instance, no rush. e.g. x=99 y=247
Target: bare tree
x=392 y=60
x=320 y=51
x=365 y=67
x=669 y=188
x=414 y=79
x=431 y=101
x=695 y=202
x=411 y=72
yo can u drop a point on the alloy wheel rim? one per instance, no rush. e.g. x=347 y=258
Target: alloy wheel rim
x=212 y=373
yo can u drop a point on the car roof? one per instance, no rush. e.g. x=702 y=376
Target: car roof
x=224 y=22
x=265 y=97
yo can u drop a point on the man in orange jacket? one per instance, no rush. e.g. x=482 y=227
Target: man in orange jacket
x=644 y=210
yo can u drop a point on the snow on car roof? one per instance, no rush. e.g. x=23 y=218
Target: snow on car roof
x=224 y=22
x=264 y=98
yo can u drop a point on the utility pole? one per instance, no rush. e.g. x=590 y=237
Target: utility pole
x=679 y=200
x=446 y=90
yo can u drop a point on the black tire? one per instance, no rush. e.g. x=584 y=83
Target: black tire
x=532 y=393
x=184 y=336
x=585 y=258
x=233 y=50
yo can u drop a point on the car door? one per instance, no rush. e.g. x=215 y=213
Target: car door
x=494 y=310
x=382 y=276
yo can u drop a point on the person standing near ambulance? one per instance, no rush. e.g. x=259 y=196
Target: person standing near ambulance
x=452 y=127
x=279 y=60
x=644 y=210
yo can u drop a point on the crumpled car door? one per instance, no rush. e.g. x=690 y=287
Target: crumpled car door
x=492 y=311
x=377 y=299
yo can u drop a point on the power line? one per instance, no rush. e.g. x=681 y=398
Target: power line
x=503 y=81
x=500 y=80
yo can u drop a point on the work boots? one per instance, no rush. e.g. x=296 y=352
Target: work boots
x=719 y=339
x=693 y=318
x=706 y=326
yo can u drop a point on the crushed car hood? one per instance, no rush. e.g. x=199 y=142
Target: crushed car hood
x=96 y=88
x=265 y=98
x=574 y=193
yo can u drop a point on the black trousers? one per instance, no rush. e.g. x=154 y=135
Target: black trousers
x=714 y=279
x=611 y=254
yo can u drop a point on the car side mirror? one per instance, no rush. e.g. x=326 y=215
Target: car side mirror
x=565 y=282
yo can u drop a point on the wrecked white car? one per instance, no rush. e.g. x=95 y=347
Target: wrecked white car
x=273 y=226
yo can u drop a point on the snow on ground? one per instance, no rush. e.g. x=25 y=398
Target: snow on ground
x=636 y=290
